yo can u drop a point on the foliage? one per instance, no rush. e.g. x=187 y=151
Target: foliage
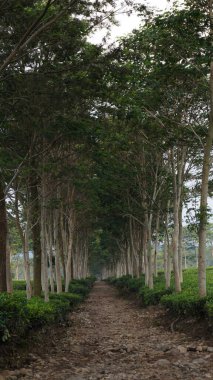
x=188 y=302
x=18 y=315
x=185 y=303
x=19 y=285
x=209 y=308
x=13 y=315
x=128 y=284
x=81 y=286
x=153 y=296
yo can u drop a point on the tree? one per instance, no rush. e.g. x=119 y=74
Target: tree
x=207 y=162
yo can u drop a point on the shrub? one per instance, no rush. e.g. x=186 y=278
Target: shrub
x=209 y=308
x=153 y=296
x=185 y=303
x=73 y=299
x=17 y=314
x=78 y=289
x=81 y=286
x=40 y=312
x=13 y=314
x=19 y=285
x=126 y=284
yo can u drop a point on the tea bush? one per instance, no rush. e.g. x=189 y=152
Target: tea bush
x=81 y=286
x=185 y=303
x=18 y=315
x=188 y=302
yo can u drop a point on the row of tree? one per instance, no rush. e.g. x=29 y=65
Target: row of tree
x=160 y=93
x=46 y=116
x=98 y=146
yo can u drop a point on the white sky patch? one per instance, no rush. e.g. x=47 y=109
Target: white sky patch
x=128 y=23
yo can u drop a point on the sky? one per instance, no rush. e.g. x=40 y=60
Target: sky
x=128 y=23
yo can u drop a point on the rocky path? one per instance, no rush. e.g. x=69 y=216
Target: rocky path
x=111 y=338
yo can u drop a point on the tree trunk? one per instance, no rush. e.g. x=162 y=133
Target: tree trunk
x=207 y=160
x=156 y=245
x=27 y=263
x=168 y=272
x=204 y=185
x=175 y=240
x=36 y=236
x=50 y=253
x=17 y=270
x=57 y=253
x=25 y=245
x=180 y=243
x=3 y=241
x=9 y=276
x=178 y=162
x=149 y=251
x=69 y=254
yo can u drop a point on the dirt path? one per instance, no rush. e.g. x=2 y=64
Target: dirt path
x=111 y=338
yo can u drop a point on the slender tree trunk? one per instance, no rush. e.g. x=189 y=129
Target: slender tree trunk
x=36 y=236
x=167 y=256
x=167 y=261
x=207 y=161
x=24 y=238
x=44 y=242
x=70 y=237
x=185 y=262
x=26 y=254
x=50 y=252
x=57 y=253
x=9 y=276
x=196 y=256
x=150 y=258
x=180 y=243
x=3 y=241
x=141 y=256
x=69 y=254
x=168 y=272
x=27 y=263
x=178 y=161
x=156 y=246
x=17 y=270
x=175 y=240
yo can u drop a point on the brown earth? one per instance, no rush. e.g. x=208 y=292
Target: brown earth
x=109 y=337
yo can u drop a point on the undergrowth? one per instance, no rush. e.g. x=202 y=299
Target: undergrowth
x=186 y=303
x=18 y=315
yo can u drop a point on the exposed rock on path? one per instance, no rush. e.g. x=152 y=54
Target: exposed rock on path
x=111 y=338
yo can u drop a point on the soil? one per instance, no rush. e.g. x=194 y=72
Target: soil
x=109 y=337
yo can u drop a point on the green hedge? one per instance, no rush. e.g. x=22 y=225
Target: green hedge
x=87 y=282
x=18 y=315
x=19 y=285
x=188 y=302
x=82 y=286
x=126 y=284
x=152 y=296
x=185 y=303
x=209 y=307
x=13 y=315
